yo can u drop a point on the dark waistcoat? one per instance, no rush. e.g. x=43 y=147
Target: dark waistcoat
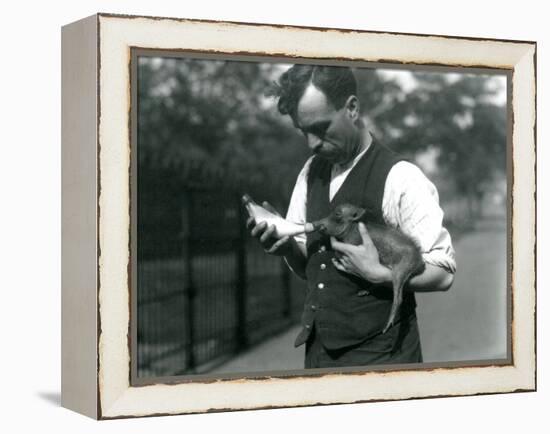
x=344 y=309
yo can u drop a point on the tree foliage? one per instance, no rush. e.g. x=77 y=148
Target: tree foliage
x=455 y=115
x=214 y=113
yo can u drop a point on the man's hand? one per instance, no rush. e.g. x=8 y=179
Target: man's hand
x=362 y=260
x=265 y=234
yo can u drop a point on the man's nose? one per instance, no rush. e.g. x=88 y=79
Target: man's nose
x=314 y=142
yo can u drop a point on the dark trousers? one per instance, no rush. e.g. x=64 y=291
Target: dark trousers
x=400 y=344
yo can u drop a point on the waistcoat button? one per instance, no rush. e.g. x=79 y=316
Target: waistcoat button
x=321 y=285
x=323 y=266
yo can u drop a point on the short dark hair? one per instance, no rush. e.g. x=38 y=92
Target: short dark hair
x=336 y=82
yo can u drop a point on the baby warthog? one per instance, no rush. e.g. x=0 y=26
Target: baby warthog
x=396 y=250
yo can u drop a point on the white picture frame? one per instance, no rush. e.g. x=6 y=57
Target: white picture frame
x=96 y=277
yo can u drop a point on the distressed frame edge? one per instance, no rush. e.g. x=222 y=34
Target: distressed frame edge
x=524 y=132
x=529 y=386
x=317 y=28
x=79 y=141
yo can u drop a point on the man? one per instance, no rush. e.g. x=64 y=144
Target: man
x=348 y=299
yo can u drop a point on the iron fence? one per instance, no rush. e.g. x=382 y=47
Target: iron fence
x=205 y=290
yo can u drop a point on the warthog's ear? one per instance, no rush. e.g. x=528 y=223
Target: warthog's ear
x=358 y=214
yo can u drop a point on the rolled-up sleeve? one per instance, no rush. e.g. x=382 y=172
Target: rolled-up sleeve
x=411 y=204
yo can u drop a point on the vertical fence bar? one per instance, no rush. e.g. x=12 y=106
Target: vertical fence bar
x=241 y=281
x=189 y=289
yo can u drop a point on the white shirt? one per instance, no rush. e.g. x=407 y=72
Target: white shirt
x=410 y=203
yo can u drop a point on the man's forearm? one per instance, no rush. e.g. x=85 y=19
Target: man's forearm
x=432 y=279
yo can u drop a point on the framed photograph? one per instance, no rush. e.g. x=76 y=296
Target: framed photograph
x=261 y=216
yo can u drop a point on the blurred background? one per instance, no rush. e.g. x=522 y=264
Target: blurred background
x=209 y=299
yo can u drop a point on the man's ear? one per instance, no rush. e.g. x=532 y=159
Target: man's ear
x=352 y=107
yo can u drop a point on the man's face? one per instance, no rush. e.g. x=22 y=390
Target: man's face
x=330 y=133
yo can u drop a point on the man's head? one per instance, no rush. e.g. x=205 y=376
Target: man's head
x=322 y=102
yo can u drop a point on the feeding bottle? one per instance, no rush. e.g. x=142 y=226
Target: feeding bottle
x=283 y=227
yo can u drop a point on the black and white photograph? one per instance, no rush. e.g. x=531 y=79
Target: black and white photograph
x=299 y=217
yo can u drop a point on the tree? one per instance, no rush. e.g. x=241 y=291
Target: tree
x=456 y=116
x=210 y=112
x=214 y=112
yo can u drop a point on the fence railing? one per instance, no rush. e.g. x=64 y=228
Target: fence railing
x=212 y=296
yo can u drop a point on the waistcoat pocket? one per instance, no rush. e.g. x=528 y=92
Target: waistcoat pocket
x=380 y=343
